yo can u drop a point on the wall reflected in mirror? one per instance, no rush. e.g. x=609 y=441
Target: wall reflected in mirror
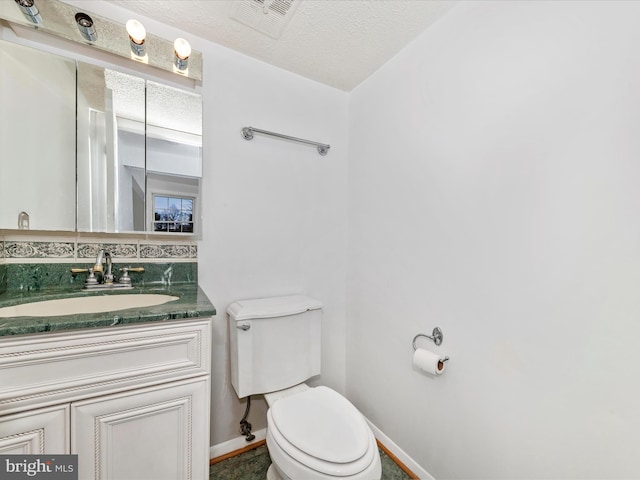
x=111 y=150
x=37 y=139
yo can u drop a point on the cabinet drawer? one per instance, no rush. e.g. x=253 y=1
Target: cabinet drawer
x=53 y=368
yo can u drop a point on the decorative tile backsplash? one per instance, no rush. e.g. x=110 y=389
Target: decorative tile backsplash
x=3 y=268
x=34 y=277
x=121 y=250
x=168 y=251
x=3 y=278
x=20 y=250
x=35 y=262
x=39 y=250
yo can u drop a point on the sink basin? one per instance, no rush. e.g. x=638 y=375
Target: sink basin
x=97 y=304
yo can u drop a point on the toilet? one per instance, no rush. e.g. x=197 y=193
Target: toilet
x=312 y=432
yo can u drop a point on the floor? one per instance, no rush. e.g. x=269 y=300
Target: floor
x=252 y=465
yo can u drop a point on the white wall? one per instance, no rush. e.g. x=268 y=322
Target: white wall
x=493 y=189
x=274 y=211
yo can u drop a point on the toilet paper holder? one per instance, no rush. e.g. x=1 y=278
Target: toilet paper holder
x=436 y=337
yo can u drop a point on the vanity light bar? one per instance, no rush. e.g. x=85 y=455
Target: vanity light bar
x=30 y=11
x=130 y=41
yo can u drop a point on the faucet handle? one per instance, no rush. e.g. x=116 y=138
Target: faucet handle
x=91 y=278
x=136 y=269
x=125 y=279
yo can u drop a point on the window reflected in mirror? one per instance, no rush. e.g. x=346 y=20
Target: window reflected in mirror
x=173 y=214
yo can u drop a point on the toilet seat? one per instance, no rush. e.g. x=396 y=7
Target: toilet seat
x=323 y=431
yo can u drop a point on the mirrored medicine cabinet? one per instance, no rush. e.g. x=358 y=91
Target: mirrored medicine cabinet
x=90 y=149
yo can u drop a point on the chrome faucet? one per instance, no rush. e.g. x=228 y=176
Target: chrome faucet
x=106 y=280
x=98 y=265
x=108 y=275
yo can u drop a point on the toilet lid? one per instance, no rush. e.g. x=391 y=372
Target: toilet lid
x=323 y=424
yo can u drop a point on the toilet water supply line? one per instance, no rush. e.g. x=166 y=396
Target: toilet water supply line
x=245 y=427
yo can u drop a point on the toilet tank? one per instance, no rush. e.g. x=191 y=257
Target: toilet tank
x=275 y=343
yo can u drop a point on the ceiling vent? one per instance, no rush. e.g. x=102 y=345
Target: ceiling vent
x=266 y=16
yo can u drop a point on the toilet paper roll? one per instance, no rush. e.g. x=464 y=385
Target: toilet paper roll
x=428 y=361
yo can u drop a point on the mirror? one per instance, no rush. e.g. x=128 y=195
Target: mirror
x=111 y=150
x=37 y=139
x=139 y=148
x=139 y=154
x=174 y=158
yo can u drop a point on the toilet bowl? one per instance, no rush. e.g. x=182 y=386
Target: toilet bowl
x=316 y=433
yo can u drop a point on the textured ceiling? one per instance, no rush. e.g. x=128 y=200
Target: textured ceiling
x=335 y=42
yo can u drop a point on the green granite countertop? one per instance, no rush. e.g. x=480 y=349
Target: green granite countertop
x=192 y=303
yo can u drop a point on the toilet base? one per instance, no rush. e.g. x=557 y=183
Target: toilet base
x=273 y=474
x=279 y=459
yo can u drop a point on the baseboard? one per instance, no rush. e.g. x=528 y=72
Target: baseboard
x=400 y=454
x=234 y=444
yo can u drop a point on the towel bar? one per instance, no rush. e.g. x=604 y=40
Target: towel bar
x=247 y=134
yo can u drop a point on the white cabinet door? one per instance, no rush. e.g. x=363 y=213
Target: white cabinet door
x=39 y=431
x=155 y=433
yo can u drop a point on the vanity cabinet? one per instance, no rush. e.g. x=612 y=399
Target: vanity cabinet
x=133 y=401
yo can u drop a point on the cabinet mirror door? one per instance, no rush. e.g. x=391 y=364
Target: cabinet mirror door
x=174 y=159
x=111 y=150
x=139 y=154
x=37 y=139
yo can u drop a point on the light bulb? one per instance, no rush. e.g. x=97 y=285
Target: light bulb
x=136 y=31
x=86 y=27
x=182 y=50
x=137 y=34
x=30 y=10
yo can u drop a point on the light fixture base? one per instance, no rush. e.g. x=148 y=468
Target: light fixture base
x=58 y=18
